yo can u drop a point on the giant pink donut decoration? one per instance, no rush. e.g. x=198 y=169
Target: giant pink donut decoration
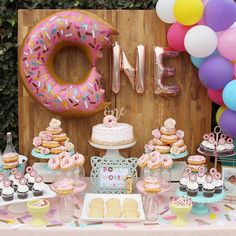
x=66 y=28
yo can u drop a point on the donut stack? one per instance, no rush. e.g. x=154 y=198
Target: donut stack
x=167 y=139
x=195 y=162
x=52 y=140
x=10 y=160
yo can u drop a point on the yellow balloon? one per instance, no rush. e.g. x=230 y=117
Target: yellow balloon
x=188 y=12
x=219 y=113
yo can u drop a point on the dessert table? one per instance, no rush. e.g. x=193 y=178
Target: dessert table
x=220 y=221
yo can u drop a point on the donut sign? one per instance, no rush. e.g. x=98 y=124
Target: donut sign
x=66 y=28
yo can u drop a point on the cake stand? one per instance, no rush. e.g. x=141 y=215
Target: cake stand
x=112 y=151
x=217 y=132
x=48 y=156
x=181 y=155
x=200 y=201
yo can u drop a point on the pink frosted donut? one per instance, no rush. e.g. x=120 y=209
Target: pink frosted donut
x=37 y=141
x=78 y=159
x=213 y=171
x=192 y=177
x=209 y=178
x=222 y=141
x=178 y=143
x=65 y=28
x=206 y=137
x=142 y=161
x=14 y=171
x=223 y=136
x=230 y=140
x=154 y=161
x=45 y=135
x=167 y=162
x=185 y=174
x=28 y=169
x=44 y=151
x=156 y=133
x=149 y=148
x=212 y=140
x=180 y=134
x=211 y=135
x=64 y=154
x=54 y=163
x=187 y=169
x=110 y=121
x=183 y=149
x=1 y=177
x=217 y=175
x=201 y=173
x=67 y=163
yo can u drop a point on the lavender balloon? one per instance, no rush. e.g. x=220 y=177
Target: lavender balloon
x=220 y=14
x=216 y=72
x=227 y=123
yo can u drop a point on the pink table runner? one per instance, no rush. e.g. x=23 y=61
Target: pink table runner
x=221 y=220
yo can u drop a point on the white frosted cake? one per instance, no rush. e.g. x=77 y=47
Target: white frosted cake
x=112 y=133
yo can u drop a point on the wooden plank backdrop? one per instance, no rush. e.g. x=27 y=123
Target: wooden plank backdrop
x=192 y=109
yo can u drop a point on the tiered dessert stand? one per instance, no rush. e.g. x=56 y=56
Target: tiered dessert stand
x=114 y=158
x=218 y=156
x=200 y=208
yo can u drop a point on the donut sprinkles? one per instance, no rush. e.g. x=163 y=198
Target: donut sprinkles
x=66 y=28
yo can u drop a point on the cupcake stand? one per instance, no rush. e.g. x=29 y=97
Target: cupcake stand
x=200 y=208
x=218 y=156
x=20 y=205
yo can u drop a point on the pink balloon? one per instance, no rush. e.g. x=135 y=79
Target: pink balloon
x=175 y=36
x=227 y=45
x=216 y=96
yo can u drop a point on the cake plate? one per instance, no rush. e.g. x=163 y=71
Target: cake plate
x=48 y=156
x=200 y=201
x=181 y=155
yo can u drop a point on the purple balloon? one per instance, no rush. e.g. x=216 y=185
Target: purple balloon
x=220 y=14
x=227 y=123
x=216 y=72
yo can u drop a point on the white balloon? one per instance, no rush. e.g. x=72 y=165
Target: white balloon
x=164 y=9
x=200 y=41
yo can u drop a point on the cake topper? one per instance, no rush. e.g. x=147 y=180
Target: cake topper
x=117 y=113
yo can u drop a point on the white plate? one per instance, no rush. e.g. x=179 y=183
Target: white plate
x=48 y=193
x=105 y=197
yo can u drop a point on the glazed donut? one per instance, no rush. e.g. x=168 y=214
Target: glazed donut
x=66 y=28
x=37 y=141
x=45 y=135
x=54 y=163
x=178 y=143
x=156 y=133
x=158 y=142
x=154 y=161
x=78 y=159
x=110 y=121
x=167 y=162
x=142 y=161
x=168 y=139
x=57 y=150
x=59 y=137
x=165 y=131
x=67 y=163
x=162 y=149
x=50 y=144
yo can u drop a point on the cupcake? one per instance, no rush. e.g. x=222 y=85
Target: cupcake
x=218 y=183
x=201 y=179
x=28 y=170
x=1 y=183
x=31 y=179
x=38 y=186
x=183 y=181
x=16 y=181
x=23 y=189
x=192 y=186
x=7 y=191
x=12 y=175
x=208 y=187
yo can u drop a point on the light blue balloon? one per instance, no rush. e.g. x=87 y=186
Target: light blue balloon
x=198 y=61
x=228 y=95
